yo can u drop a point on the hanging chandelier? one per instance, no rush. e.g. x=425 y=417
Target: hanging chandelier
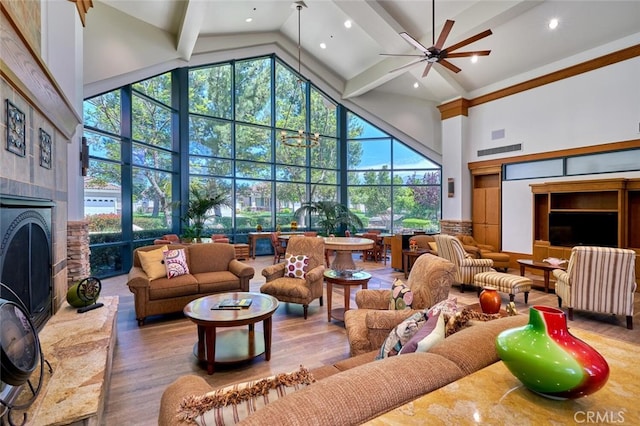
x=301 y=138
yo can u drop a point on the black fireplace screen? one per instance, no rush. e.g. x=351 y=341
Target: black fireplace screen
x=25 y=256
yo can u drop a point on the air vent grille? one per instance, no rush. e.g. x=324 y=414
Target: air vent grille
x=500 y=149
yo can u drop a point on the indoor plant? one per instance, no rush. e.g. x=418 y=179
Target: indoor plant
x=198 y=210
x=331 y=216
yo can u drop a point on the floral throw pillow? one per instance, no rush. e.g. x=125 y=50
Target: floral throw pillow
x=401 y=334
x=296 y=266
x=175 y=262
x=401 y=296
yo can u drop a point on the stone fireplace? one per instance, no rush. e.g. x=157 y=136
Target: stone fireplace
x=25 y=255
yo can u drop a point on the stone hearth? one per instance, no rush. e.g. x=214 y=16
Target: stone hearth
x=80 y=349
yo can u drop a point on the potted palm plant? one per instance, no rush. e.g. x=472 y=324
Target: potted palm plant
x=331 y=216
x=199 y=210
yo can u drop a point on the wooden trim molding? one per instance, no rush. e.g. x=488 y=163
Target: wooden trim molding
x=454 y=108
x=592 y=149
x=449 y=110
x=83 y=7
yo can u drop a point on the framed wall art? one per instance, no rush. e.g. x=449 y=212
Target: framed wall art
x=45 y=149
x=16 y=134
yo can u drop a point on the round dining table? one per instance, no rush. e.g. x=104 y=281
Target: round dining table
x=344 y=247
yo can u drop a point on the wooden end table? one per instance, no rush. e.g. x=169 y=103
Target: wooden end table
x=354 y=279
x=231 y=346
x=545 y=267
x=409 y=257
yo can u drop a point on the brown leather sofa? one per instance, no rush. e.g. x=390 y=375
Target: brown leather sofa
x=359 y=389
x=213 y=268
x=484 y=251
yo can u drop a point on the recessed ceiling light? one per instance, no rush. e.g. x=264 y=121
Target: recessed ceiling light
x=248 y=20
x=553 y=23
x=347 y=23
x=323 y=45
x=416 y=85
x=474 y=59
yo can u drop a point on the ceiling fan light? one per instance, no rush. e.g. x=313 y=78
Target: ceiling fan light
x=553 y=23
x=474 y=59
x=347 y=23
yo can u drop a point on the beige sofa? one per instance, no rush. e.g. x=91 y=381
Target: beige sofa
x=213 y=268
x=361 y=388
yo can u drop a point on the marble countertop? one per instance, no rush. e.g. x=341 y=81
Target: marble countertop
x=493 y=396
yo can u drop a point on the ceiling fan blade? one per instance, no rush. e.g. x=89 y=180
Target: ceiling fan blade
x=400 y=54
x=469 y=40
x=412 y=41
x=444 y=34
x=426 y=69
x=410 y=64
x=467 y=54
x=449 y=65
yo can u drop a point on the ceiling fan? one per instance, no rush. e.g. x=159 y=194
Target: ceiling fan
x=436 y=53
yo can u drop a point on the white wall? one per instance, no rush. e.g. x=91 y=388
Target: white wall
x=598 y=107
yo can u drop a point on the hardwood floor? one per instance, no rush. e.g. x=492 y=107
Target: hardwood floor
x=149 y=358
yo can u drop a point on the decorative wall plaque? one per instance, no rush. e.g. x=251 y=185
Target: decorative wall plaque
x=16 y=141
x=45 y=149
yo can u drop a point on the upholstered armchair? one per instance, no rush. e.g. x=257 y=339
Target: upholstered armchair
x=484 y=251
x=450 y=248
x=298 y=290
x=598 y=279
x=368 y=326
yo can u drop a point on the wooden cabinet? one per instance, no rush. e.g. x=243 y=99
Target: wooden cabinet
x=486 y=208
x=592 y=212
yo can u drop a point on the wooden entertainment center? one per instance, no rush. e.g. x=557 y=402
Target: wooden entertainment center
x=590 y=212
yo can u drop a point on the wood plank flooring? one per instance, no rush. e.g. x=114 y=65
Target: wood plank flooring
x=149 y=358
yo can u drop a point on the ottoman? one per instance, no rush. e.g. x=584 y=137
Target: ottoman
x=505 y=283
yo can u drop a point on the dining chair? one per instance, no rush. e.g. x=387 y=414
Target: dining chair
x=278 y=247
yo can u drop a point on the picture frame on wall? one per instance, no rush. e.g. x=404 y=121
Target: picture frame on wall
x=16 y=130
x=45 y=149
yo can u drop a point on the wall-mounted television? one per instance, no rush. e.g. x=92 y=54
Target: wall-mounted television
x=569 y=229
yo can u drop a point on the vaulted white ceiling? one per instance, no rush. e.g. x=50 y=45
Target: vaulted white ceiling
x=522 y=45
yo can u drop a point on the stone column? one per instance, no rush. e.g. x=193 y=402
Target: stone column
x=78 y=253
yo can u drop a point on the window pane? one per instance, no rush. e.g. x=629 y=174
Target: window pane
x=246 y=169
x=419 y=177
x=210 y=91
x=291 y=174
x=324 y=193
x=253 y=204
x=253 y=143
x=291 y=155
x=324 y=176
x=103 y=146
x=607 y=162
x=158 y=88
x=151 y=197
x=209 y=137
x=103 y=197
x=210 y=166
x=103 y=112
x=324 y=119
x=291 y=109
x=372 y=154
x=146 y=156
x=253 y=91
x=373 y=202
x=534 y=169
x=325 y=155
x=106 y=260
x=358 y=128
x=406 y=158
x=289 y=197
x=151 y=122
x=417 y=203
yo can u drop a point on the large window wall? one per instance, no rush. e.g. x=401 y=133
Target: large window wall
x=217 y=129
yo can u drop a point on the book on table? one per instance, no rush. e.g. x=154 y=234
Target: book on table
x=234 y=303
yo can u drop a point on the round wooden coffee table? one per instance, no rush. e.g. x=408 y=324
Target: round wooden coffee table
x=230 y=346
x=334 y=277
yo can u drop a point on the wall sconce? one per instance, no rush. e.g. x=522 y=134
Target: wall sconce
x=84 y=156
x=450 y=187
